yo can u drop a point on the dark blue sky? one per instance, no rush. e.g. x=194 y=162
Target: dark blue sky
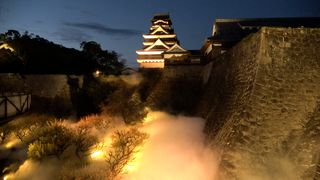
x=118 y=25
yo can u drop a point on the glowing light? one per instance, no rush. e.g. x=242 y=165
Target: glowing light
x=148 y=36
x=150 y=43
x=150 y=117
x=97 y=73
x=133 y=163
x=150 y=60
x=148 y=52
x=161 y=21
x=6 y=46
x=98 y=152
x=8 y=176
x=97 y=155
x=11 y=143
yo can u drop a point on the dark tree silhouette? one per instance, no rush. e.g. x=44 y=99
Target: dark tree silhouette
x=39 y=56
x=105 y=61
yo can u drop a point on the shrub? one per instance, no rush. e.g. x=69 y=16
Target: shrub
x=100 y=122
x=124 y=146
x=52 y=139
x=25 y=127
x=126 y=103
x=83 y=140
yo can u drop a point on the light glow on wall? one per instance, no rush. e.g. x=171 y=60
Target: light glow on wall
x=6 y=46
x=150 y=60
x=148 y=52
x=148 y=36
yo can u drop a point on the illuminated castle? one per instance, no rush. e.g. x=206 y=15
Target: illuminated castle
x=161 y=45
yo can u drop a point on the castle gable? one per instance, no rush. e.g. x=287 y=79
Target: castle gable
x=176 y=48
x=158 y=45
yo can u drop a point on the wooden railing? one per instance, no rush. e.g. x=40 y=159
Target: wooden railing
x=12 y=104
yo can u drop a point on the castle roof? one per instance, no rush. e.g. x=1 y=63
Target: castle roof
x=176 y=48
x=158 y=45
x=162 y=16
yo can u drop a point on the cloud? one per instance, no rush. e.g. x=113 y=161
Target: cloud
x=102 y=29
x=89 y=13
x=39 y=22
x=72 y=35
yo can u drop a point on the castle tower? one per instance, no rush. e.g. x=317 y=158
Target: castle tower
x=161 y=37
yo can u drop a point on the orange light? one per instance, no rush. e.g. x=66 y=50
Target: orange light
x=133 y=163
x=97 y=155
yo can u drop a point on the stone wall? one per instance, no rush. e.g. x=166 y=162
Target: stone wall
x=12 y=83
x=177 y=90
x=262 y=105
x=52 y=93
x=48 y=86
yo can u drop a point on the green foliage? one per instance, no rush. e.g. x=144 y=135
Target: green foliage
x=124 y=145
x=39 y=150
x=52 y=139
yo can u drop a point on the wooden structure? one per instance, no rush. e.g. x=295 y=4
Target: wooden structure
x=13 y=104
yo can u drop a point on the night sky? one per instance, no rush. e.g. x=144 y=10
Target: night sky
x=118 y=25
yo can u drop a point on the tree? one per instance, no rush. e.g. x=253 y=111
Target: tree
x=91 y=48
x=105 y=61
x=12 y=34
x=124 y=145
x=42 y=56
x=52 y=140
x=126 y=103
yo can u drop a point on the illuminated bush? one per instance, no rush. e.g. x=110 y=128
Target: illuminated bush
x=124 y=145
x=83 y=140
x=25 y=127
x=99 y=122
x=53 y=139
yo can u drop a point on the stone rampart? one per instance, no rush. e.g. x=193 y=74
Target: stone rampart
x=262 y=103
